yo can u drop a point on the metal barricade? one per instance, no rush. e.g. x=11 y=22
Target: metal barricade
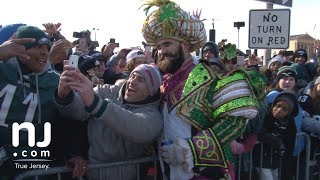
x=60 y=170
x=303 y=168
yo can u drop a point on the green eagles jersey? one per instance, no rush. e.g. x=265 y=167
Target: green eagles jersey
x=25 y=98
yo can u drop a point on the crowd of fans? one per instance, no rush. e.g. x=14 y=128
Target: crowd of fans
x=84 y=127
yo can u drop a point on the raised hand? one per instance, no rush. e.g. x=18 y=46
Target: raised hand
x=108 y=51
x=116 y=70
x=59 y=51
x=51 y=28
x=197 y=14
x=65 y=77
x=80 y=83
x=15 y=47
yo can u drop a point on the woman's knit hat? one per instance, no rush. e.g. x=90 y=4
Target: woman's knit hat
x=151 y=75
x=275 y=59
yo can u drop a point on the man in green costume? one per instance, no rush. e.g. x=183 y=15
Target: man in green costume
x=203 y=109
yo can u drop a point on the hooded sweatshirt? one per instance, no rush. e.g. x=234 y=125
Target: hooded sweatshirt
x=25 y=97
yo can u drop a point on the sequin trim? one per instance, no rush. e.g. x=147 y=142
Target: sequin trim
x=231 y=96
x=198 y=76
x=230 y=87
x=242 y=102
x=206 y=150
x=231 y=78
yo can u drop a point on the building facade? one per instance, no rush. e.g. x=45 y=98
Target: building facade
x=304 y=41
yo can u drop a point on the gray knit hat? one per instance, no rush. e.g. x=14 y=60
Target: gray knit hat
x=152 y=76
x=275 y=59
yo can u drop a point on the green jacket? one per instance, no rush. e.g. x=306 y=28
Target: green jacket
x=25 y=97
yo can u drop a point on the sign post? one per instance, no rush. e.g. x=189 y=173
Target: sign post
x=269 y=28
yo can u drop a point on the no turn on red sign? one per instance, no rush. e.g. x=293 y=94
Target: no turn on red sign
x=269 y=28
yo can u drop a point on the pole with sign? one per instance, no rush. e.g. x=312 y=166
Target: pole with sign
x=269 y=29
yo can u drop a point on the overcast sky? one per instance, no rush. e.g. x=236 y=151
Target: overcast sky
x=122 y=19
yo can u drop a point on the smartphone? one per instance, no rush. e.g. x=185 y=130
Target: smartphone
x=73 y=61
x=117 y=44
x=112 y=40
x=147 y=48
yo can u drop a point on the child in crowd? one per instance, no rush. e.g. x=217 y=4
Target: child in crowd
x=278 y=138
x=272 y=70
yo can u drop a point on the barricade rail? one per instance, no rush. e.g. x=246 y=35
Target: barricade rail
x=309 y=168
x=59 y=170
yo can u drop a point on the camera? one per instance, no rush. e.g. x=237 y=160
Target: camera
x=113 y=40
x=288 y=53
x=81 y=34
x=87 y=62
x=224 y=40
x=94 y=44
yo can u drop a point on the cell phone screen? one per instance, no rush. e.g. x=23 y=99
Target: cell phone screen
x=73 y=61
x=147 y=48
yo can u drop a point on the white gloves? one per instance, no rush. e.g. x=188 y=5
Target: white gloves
x=178 y=153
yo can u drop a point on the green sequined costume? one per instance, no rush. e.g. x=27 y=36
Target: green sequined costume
x=217 y=105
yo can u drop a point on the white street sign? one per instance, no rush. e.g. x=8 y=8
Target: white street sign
x=269 y=28
x=287 y=3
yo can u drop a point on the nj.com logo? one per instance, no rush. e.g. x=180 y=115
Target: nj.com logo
x=29 y=127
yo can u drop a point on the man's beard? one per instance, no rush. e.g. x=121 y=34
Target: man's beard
x=170 y=63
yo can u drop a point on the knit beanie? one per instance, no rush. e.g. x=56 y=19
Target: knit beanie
x=33 y=32
x=275 y=59
x=291 y=99
x=212 y=47
x=135 y=54
x=300 y=52
x=151 y=75
x=287 y=71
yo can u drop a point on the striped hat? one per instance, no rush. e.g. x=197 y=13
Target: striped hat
x=151 y=75
x=169 y=21
x=286 y=71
